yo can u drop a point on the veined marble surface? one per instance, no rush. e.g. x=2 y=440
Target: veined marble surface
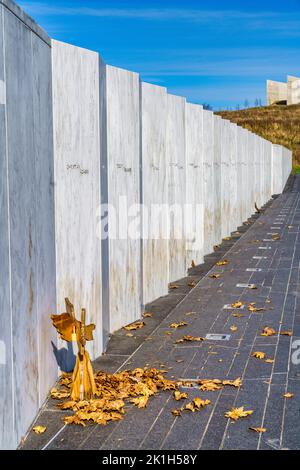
x=154 y=168
x=287 y=161
x=233 y=179
x=259 y=171
x=217 y=180
x=277 y=154
x=194 y=178
x=225 y=172
x=27 y=217
x=123 y=171
x=240 y=175
x=76 y=104
x=269 y=146
x=45 y=213
x=175 y=156
x=251 y=174
x=208 y=178
x=7 y=435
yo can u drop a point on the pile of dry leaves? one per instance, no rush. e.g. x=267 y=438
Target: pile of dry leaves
x=113 y=390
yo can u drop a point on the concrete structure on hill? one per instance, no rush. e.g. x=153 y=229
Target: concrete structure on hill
x=278 y=92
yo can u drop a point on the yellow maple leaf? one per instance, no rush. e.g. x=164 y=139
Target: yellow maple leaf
x=269 y=361
x=199 y=403
x=173 y=286
x=288 y=395
x=210 y=386
x=176 y=412
x=286 y=333
x=259 y=355
x=74 y=420
x=252 y=308
x=140 y=402
x=222 y=262
x=237 y=413
x=134 y=326
x=233 y=383
x=238 y=315
x=67 y=405
x=190 y=407
x=237 y=304
x=59 y=394
x=214 y=276
x=147 y=315
x=39 y=429
x=192 y=284
x=259 y=430
x=267 y=331
x=233 y=328
x=180 y=396
x=178 y=325
x=189 y=338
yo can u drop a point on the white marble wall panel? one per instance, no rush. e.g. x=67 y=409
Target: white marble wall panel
x=217 y=179
x=240 y=171
x=225 y=172
x=45 y=212
x=175 y=155
x=258 y=171
x=245 y=176
x=77 y=181
x=28 y=208
x=123 y=160
x=208 y=179
x=249 y=181
x=277 y=169
x=7 y=435
x=233 y=179
x=194 y=183
x=262 y=179
x=154 y=167
x=264 y=170
x=268 y=171
x=287 y=162
x=251 y=171
x=23 y=241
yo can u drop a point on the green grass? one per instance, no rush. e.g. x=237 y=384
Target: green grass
x=279 y=124
x=296 y=170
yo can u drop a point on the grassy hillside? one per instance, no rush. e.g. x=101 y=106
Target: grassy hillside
x=279 y=124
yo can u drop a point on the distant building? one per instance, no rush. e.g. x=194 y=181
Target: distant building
x=284 y=93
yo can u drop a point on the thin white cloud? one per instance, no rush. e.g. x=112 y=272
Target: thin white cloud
x=144 y=13
x=279 y=23
x=229 y=63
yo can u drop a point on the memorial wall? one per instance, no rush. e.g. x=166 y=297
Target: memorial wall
x=110 y=189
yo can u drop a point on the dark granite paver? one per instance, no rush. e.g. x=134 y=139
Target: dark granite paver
x=277 y=280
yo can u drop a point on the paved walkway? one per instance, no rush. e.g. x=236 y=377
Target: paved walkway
x=254 y=257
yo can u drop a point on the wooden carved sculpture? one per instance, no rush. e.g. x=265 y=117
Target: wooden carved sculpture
x=70 y=329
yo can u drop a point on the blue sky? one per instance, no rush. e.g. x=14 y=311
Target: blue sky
x=213 y=51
